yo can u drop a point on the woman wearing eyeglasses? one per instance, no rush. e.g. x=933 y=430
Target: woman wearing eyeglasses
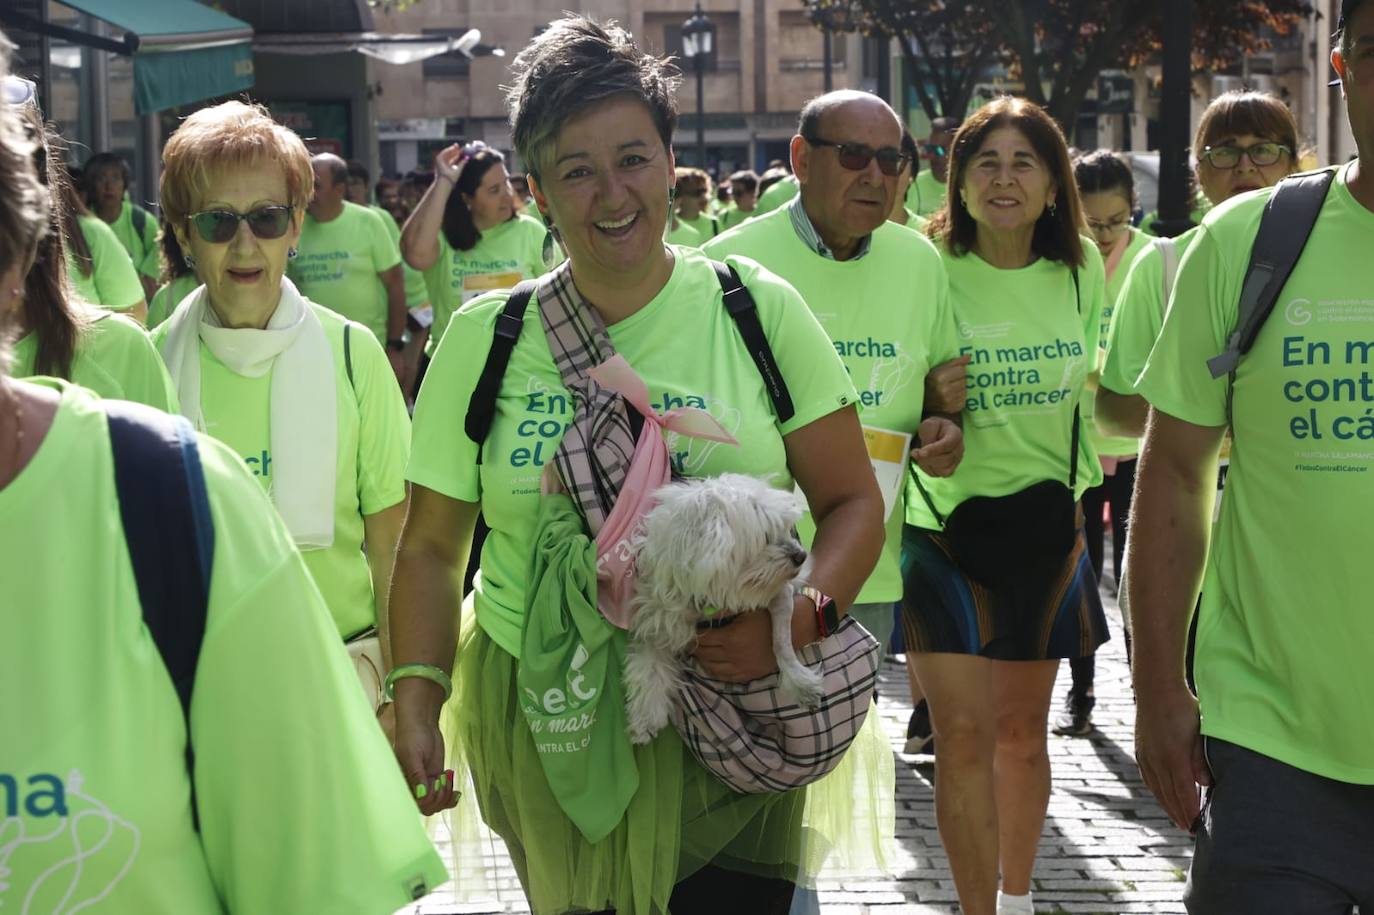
x=306 y=397
x=997 y=585
x=1245 y=141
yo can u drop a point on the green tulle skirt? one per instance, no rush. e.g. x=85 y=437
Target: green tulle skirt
x=680 y=818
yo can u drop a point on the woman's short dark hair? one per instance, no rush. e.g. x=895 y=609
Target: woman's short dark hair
x=574 y=64
x=458 y=226
x=1235 y=114
x=1056 y=231
x=90 y=173
x=1101 y=171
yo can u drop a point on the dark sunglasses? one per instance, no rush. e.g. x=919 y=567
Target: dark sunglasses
x=856 y=156
x=220 y=226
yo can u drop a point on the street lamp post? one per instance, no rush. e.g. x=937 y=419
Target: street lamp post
x=698 y=40
x=1175 y=107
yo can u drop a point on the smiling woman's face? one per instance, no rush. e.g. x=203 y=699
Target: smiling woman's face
x=607 y=189
x=242 y=276
x=1007 y=185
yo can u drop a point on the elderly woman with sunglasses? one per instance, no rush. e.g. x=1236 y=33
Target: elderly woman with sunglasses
x=304 y=396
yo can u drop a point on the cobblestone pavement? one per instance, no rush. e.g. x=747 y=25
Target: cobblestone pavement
x=1107 y=847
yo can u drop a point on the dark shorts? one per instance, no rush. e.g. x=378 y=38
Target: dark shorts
x=944 y=610
x=1276 y=840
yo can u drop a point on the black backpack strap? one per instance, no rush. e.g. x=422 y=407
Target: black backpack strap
x=171 y=538
x=1073 y=436
x=1284 y=228
x=740 y=304
x=482 y=404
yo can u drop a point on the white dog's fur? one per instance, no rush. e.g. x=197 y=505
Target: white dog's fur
x=726 y=542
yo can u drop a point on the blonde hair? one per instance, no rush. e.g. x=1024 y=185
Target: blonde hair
x=230 y=134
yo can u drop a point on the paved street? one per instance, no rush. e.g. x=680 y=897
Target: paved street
x=1107 y=847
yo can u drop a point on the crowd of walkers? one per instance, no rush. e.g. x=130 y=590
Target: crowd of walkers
x=303 y=486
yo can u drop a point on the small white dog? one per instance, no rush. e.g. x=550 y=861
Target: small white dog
x=727 y=543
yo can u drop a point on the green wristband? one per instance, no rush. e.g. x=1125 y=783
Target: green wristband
x=425 y=671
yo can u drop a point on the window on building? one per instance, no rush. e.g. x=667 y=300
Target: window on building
x=663 y=35
x=446 y=66
x=801 y=46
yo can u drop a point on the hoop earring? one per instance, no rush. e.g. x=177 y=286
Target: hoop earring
x=1051 y=207
x=189 y=260
x=291 y=253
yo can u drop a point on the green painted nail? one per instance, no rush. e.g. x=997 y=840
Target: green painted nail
x=420 y=791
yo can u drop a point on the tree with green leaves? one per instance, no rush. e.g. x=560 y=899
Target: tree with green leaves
x=1055 y=48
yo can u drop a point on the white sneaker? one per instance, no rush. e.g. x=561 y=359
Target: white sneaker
x=1014 y=905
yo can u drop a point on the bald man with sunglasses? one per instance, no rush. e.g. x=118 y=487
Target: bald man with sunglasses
x=880 y=292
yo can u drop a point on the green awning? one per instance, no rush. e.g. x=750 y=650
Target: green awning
x=183 y=51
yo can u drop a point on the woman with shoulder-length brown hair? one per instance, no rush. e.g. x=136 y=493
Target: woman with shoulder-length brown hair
x=997 y=586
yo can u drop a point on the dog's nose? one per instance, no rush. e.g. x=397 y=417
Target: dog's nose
x=798 y=556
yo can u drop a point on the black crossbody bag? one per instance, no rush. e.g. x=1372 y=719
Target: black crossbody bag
x=1014 y=541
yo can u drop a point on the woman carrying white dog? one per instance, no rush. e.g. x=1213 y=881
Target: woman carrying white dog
x=593 y=119
x=997 y=585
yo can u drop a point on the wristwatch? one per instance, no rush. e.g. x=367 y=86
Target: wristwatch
x=827 y=613
x=396 y=345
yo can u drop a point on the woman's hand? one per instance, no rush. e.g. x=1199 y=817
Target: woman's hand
x=420 y=750
x=448 y=163
x=739 y=651
x=947 y=386
x=941 y=448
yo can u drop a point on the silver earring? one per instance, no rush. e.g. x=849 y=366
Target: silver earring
x=291 y=253
x=1052 y=207
x=190 y=261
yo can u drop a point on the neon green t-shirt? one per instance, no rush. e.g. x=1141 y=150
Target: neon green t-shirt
x=1033 y=343
x=706 y=225
x=302 y=806
x=416 y=292
x=503 y=256
x=142 y=247
x=687 y=349
x=169 y=296
x=1114 y=445
x=930 y=193
x=887 y=315
x=733 y=216
x=114 y=358
x=1284 y=629
x=373 y=447
x=684 y=235
x=778 y=194
x=113 y=283
x=1138 y=316
x=339 y=262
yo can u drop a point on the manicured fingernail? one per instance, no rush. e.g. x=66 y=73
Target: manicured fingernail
x=438 y=785
x=420 y=791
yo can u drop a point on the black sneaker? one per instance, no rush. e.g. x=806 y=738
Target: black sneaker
x=1077 y=718
x=920 y=739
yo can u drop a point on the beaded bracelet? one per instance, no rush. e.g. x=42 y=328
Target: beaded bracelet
x=425 y=671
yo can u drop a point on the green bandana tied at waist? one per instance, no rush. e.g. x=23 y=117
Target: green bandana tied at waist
x=569 y=676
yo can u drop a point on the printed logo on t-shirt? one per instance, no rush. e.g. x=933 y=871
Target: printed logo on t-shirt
x=1033 y=378
x=260 y=464
x=320 y=267
x=61 y=849
x=1328 y=386
x=890 y=372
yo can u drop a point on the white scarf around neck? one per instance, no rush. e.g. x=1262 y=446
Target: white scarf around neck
x=304 y=422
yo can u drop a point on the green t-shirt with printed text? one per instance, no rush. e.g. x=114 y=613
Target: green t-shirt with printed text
x=373 y=447
x=503 y=256
x=96 y=796
x=1138 y=317
x=689 y=352
x=338 y=263
x=114 y=358
x=887 y=315
x=113 y=282
x=1284 y=628
x=929 y=194
x=1033 y=341
x=142 y=247
x=779 y=193
x=1114 y=445
x=169 y=296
